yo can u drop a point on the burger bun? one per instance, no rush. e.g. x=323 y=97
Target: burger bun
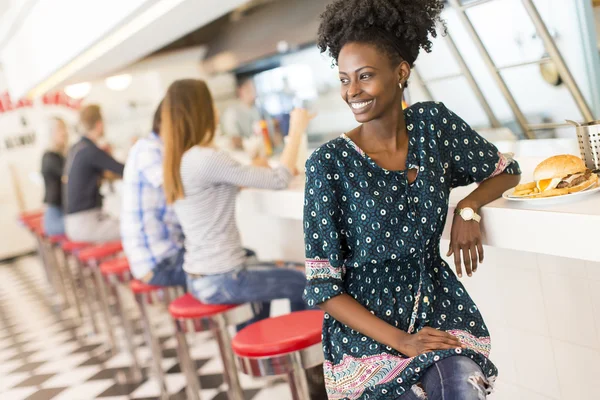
x=559 y=167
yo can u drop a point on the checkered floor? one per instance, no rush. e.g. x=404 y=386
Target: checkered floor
x=43 y=356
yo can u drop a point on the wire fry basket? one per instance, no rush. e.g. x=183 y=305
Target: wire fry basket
x=588 y=136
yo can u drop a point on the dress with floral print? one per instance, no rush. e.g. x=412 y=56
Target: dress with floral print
x=371 y=234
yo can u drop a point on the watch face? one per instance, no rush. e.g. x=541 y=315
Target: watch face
x=467 y=214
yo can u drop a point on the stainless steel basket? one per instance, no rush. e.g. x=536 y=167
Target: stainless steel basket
x=588 y=135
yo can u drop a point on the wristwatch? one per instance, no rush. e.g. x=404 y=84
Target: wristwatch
x=468 y=214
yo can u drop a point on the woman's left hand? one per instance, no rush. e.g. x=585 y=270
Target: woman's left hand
x=465 y=241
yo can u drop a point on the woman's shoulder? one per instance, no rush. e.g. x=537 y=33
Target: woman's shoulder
x=428 y=109
x=327 y=154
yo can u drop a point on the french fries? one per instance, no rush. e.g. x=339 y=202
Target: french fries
x=525 y=186
x=525 y=189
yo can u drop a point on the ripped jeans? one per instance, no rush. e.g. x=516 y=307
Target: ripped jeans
x=453 y=378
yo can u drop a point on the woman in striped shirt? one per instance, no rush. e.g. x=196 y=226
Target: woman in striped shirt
x=203 y=182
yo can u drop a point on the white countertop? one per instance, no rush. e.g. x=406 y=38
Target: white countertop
x=568 y=230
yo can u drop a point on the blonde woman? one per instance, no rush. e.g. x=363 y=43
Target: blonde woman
x=53 y=162
x=203 y=182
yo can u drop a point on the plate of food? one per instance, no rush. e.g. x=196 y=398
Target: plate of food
x=557 y=179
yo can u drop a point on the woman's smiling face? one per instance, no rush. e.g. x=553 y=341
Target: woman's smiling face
x=370 y=84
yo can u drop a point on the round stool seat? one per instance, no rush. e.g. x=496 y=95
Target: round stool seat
x=56 y=239
x=188 y=307
x=117 y=266
x=33 y=222
x=100 y=251
x=70 y=247
x=28 y=215
x=139 y=287
x=279 y=335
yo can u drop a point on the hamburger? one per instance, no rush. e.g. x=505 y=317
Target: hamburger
x=561 y=175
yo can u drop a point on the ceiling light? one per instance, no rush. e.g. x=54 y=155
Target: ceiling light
x=78 y=90
x=118 y=82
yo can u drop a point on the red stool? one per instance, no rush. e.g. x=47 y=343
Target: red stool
x=288 y=344
x=217 y=318
x=27 y=216
x=91 y=257
x=144 y=296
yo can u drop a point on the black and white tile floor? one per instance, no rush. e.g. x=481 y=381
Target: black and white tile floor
x=42 y=358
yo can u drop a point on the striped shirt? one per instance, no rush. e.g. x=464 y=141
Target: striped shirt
x=211 y=181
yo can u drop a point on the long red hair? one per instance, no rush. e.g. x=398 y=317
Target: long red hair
x=188 y=120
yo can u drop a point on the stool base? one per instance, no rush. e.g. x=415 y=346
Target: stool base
x=291 y=364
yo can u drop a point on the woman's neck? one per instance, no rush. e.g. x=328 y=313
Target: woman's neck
x=387 y=133
x=57 y=149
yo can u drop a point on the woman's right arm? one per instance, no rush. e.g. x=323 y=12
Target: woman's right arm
x=348 y=311
x=299 y=119
x=351 y=313
x=325 y=272
x=224 y=169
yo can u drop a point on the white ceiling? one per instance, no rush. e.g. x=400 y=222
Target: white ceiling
x=181 y=18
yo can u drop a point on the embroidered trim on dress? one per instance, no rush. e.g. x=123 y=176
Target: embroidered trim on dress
x=482 y=345
x=354 y=145
x=350 y=378
x=322 y=269
x=504 y=161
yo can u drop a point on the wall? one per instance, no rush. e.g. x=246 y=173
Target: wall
x=22 y=142
x=544 y=316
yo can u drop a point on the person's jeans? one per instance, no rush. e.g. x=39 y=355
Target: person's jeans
x=453 y=378
x=169 y=272
x=54 y=222
x=260 y=283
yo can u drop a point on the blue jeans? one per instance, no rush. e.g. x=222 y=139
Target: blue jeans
x=260 y=283
x=169 y=272
x=453 y=378
x=54 y=223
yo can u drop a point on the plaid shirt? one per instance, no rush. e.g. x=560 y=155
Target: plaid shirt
x=150 y=231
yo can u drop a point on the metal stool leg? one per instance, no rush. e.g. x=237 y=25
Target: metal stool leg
x=297 y=380
x=57 y=271
x=71 y=282
x=187 y=364
x=87 y=296
x=103 y=298
x=127 y=328
x=154 y=346
x=46 y=264
x=230 y=373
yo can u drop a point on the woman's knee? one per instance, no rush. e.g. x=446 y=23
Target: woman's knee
x=458 y=377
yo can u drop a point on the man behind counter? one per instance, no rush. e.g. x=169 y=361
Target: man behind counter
x=239 y=120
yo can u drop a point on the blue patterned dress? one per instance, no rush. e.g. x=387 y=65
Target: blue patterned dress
x=373 y=235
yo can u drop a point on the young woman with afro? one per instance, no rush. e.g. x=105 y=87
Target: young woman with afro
x=398 y=323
